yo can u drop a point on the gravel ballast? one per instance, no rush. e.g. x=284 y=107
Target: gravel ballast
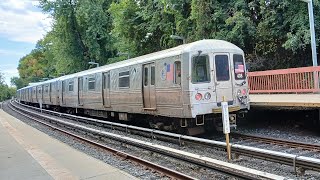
x=195 y=171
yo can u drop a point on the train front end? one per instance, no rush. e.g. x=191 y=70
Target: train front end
x=217 y=73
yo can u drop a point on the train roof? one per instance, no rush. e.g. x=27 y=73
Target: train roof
x=206 y=44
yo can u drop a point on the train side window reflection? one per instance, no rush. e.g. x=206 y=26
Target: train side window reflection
x=153 y=75
x=91 y=84
x=81 y=84
x=124 y=79
x=109 y=82
x=200 y=69
x=71 y=86
x=177 y=72
x=146 y=76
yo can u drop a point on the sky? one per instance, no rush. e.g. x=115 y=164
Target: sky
x=22 y=24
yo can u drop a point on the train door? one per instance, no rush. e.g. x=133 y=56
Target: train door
x=32 y=94
x=223 y=80
x=42 y=92
x=36 y=94
x=106 y=89
x=63 y=89
x=28 y=95
x=80 y=91
x=149 y=91
x=50 y=93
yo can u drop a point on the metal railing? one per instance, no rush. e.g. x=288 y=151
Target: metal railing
x=293 y=80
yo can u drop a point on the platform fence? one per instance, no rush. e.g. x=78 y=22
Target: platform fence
x=293 y=80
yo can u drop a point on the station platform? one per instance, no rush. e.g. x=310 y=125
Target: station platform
x=26 y=153
x=285 y=100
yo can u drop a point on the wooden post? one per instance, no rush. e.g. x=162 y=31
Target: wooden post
x=226 y=125
x=228 y=147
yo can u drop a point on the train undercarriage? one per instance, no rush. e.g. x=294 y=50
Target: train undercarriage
x=189 y=126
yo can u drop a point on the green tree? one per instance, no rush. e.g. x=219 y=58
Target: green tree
x=5 y=91
x=273 y=34
x=18 y=82
x=81 y=33
x=127 y=31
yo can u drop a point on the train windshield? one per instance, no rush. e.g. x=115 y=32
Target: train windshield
x=239 y=69
x=200 y=69
x=222 y=67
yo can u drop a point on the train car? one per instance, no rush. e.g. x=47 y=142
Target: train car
x=176 y=89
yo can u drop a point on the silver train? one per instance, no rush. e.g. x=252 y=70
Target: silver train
x=176 y=89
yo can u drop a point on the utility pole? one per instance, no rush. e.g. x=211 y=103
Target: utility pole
x=312 y=32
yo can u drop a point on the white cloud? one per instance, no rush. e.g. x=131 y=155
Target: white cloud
x=16 y=4
x=20 y=21
x=9 y=71
x=6 y=52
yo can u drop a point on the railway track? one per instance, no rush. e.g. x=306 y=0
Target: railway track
x=277 y=141
x=163 y=171
x=299 y=163
x=224 y=167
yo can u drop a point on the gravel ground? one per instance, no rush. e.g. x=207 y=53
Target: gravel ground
x=137 y=171
x=133 y=169
x=202 y=173
x=291 y=133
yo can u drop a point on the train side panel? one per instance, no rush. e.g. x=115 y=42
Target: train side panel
x=92 y=95
x=125 y=90
x=169 y=87
x=46 y=94
x=69 y=92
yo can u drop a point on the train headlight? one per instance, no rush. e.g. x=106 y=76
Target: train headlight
x=207 y=96
x=238 y=92
x=198 y=96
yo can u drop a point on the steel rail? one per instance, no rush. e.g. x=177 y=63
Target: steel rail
x=277 y=141
x=296 y=161
x=160 y=169
x=224 y=167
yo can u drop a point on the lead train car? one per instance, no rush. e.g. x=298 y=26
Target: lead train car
x=179 y=88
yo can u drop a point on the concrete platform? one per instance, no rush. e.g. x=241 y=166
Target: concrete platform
x=285 y=100
x=26 y=153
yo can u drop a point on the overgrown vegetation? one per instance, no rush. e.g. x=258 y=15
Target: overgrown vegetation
x=6 y=92
x=273 y=34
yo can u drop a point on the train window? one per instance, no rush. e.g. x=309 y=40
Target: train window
x=222 y=67
x=80 y=84
x=46 y=89
x=63 y=86
x=106 y=80
x=71 y=86
x=124 y=79
x=109 y=82
x=200 y=69
x=145 y=76
x=91 y=84
x=177 y=72
x=238 y=64
x=153 y=75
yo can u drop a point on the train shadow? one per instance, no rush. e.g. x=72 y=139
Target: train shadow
x=306 y=121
